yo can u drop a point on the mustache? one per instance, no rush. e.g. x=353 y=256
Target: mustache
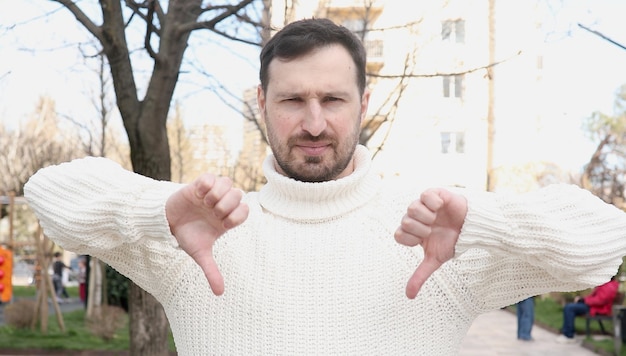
x=305 y=136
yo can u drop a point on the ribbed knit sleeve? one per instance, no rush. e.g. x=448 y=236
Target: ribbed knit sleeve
x=555 y=238
x=94 y=206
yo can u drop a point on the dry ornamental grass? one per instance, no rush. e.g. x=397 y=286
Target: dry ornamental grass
x=106 y=321
x=20 y=314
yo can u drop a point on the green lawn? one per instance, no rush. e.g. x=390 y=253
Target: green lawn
x=31 y=291
x=548 y=314
x=76 y=336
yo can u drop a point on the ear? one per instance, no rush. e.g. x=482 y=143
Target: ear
x=260 y=100
x=365 y=99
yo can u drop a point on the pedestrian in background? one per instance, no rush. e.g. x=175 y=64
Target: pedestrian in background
x=525 y=318
x=58 y=268
x=82 y=279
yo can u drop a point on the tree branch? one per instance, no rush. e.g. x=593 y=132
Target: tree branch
x=232 y=38
x=602 y=36
x=82 y=18
x=228 y=10
x=149 y=30
x=397 y=76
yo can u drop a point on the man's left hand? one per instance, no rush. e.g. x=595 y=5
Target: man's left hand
x=434 y=221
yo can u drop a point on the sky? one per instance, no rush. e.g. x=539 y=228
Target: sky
x=587 y=70
x=587 y=67
x=40 y=57
x=581 y=74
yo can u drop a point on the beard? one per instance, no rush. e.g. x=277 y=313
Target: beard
x=314 y=168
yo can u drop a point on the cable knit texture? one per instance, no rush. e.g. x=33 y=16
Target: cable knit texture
x=315 y=269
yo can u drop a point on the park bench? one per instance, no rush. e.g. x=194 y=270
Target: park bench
x=618 y=301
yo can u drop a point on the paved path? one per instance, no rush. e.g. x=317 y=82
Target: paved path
x=495 y=334
x=492 y=334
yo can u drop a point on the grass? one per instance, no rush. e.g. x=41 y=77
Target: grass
x=548 y=314
x=75 y=338
x=31 y=291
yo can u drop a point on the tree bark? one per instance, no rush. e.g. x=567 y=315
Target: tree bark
x=147 y=321
x=145 y=119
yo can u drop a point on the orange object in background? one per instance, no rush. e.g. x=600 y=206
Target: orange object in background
x=6 y=272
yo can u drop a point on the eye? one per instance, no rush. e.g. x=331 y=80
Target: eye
x=331 y=99
x=294 y=99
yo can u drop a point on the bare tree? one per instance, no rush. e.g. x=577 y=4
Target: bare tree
x=35 y=144
x=605 y=174
x=180 y=146
x=167 y=33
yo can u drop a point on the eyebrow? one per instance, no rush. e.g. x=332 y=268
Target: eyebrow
x=338 y=94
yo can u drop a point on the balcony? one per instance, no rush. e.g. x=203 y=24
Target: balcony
x=374 y=50
x=352 y=8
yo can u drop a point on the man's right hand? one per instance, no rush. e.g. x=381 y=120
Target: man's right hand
x=199 y=214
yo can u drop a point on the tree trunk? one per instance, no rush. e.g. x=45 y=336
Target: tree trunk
x=145 y=123
x=94 y=295
x=150 y=156
x=145 y=119
x=148 y=324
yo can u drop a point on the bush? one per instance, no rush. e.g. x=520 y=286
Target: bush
x=20 y=314
x=117 y=288
x=106 y=321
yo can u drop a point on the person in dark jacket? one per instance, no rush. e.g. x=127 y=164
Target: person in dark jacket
x=599 y=302
x=57 y=277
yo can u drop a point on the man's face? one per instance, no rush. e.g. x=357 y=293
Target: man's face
x=313 y=112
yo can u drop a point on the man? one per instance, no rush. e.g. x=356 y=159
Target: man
x=58 y=268
x=599 y=302
x=322 y=259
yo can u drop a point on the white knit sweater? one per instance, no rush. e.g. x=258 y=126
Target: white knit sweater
x=315 y=268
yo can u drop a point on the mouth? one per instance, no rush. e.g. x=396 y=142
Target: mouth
x=314 y=149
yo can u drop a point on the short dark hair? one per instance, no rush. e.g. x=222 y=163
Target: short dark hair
x=303 y=36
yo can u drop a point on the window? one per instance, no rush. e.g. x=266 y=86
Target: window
x=452 y=142
x=453 y=86
x=453 y=31
x=355 y=25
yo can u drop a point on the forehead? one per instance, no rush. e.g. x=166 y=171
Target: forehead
x=329 y=66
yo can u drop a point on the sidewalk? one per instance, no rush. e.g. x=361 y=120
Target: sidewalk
x=495 y=334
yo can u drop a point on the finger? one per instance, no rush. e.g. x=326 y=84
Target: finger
x=404 y=238
x=419 y=277
x=203 y=184
x=228 y=202
x=212 y=273
x=237 y=216
x=221 y=186
x=419 y=212
x=418 y=224
x=431 y=199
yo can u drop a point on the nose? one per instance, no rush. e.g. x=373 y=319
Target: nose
x=314 y=122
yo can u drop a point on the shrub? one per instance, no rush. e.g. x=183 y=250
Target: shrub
x=106 y=321
x=20 y=314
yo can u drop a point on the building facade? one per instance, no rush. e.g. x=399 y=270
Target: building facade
x=443 y=75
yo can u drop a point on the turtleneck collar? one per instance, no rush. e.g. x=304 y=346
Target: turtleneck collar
x=298 y=200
